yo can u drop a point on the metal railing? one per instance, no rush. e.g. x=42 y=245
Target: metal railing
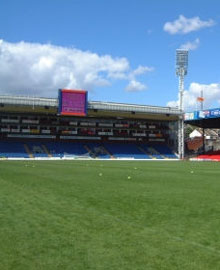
x=28 y=101
x=92 y=105
x=110 y=106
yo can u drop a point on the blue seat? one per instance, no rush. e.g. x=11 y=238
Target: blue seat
x=125 y=150
x=165 y=151
x=97 y=150
x=12 y=149
x=61 y=149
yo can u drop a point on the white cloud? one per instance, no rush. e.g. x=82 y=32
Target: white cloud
x=141 y=70
x=41 y=69
x=190 y=46
x=185 y=25
x=211 y=94
x=135 y=86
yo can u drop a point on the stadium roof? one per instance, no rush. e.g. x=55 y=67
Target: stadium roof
x=205 y=123
x=106 y=108
x=204 y=118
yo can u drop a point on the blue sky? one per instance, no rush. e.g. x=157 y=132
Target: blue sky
x=120 y=51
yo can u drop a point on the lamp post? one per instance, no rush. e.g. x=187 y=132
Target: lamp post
x=181 y=71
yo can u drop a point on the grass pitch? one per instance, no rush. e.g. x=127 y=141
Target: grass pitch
x=109 y=215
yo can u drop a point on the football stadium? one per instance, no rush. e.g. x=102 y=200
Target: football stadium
x=72 y=127
x=109 y=139
x=78 y=190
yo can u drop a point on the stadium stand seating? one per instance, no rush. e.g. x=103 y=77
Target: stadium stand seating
x=150 y=150
x=36 y=127
x=127 y=150
x=107 y=150
x=97 y=150
x=164 y=151
x=36 y=149
x=67 y=149
x=13 y=150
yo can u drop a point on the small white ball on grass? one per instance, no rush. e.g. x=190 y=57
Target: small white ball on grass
x=100 y=174
x=192 y=171
x=129 y=177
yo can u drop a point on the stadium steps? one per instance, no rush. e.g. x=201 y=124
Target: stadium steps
x=165 y=151
x=145 y=152
x=27 y=149
x=111 y=156
x=108 y=153
x=89 y=151
x=155 y=152
x=46 y=150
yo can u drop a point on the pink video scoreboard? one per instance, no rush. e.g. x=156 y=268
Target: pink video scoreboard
x=73 y=102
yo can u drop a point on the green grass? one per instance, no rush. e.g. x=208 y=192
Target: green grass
x=64 y=215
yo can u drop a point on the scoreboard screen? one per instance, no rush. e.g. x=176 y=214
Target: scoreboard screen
x=72 y=102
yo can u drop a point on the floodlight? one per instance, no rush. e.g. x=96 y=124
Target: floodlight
x=181 y=62
x=181 y=71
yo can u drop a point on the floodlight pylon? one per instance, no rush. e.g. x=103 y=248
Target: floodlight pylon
x=181 y=71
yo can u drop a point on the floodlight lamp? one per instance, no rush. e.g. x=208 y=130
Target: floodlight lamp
x=181 y=62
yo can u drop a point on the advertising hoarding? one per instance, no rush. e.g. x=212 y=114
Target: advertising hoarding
x=202 y=114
